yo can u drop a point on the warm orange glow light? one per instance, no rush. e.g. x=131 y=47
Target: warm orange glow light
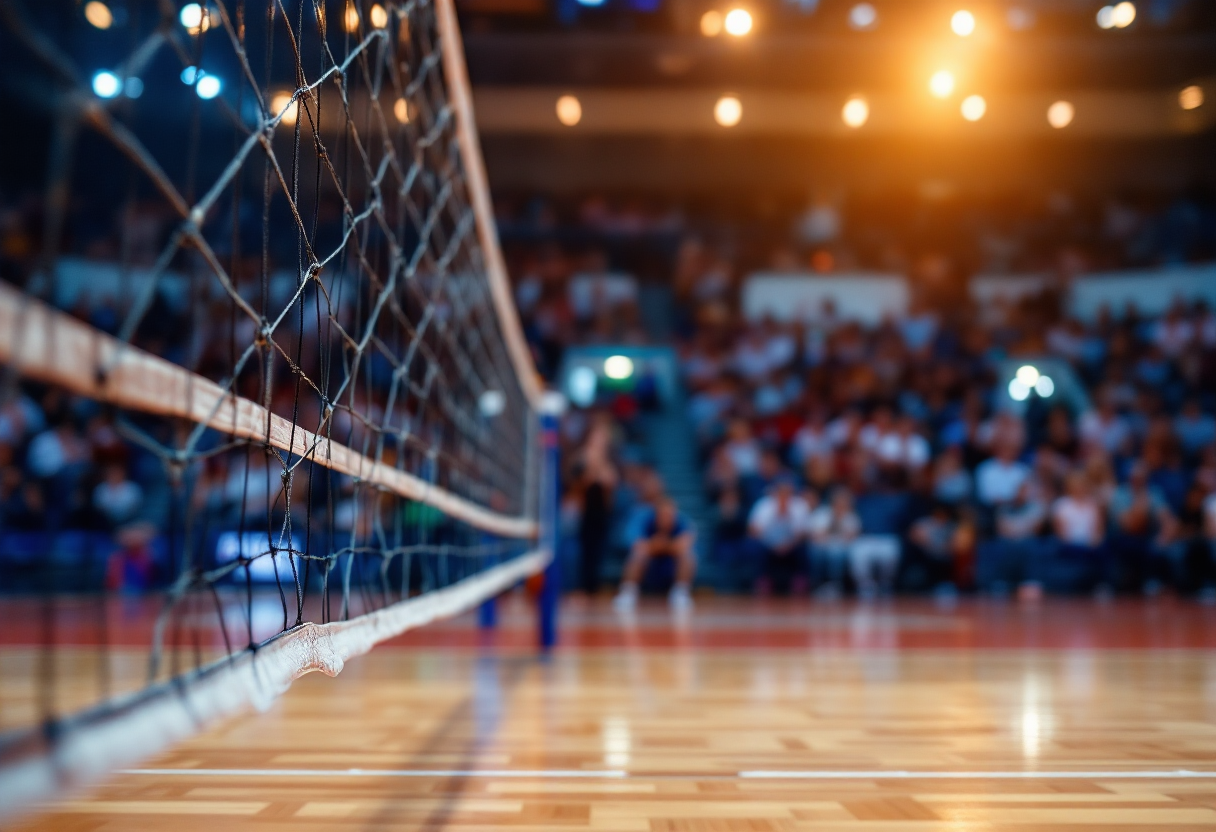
x=856 y=112
x=738 y=22
x=942 y=83
x=974 y=107
x=98 y=14
x=711 y=23
x=1191 y=98
x=351 y=18
x=569 y=110
x=378 y=16
x=728 y=111
x=963 y=23
x=1060 y=114
x=401 y=109
x=282 y=103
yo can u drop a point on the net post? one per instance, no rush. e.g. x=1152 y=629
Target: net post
x=487 y=614
x=551 y=409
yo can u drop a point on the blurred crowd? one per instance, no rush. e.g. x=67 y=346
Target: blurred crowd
x=895 y=457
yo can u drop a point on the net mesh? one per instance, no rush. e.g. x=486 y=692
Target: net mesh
x=292 y=345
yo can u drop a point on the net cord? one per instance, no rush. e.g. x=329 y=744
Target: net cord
x=35 y=769
x=53 y=347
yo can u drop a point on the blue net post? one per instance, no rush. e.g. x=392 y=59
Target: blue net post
x=547 y=600
x=487 y=614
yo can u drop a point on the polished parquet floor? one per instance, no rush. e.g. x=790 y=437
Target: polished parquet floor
x=748 y=717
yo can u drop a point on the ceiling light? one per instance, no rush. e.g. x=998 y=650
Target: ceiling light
x=856 y=112
x=963 y=23
x=728 y=111
x=973 y=107
x=569 y=110
x=1060 y=114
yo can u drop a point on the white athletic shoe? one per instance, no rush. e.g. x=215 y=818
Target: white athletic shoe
x=626 y=599
x=678 y=599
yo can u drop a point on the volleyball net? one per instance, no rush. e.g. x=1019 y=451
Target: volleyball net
x=262 y=374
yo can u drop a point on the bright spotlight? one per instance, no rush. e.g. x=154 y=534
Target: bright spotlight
x=942 y=83
x=491 y=403
x=1045 y=386
x=282 y=102
x=106 y=84
x=1106 y=17
x=569 y=110
x=401 y=111
x=378 y=16
x=1019 y=391
x=189 y=75
x=711 y=23
x=973 y=107
x=1123 y=14
x=98 y=14
x=855 y=113
x=581 y=386
x=963 y=23
x=1060 y=114
x=1191 y=98
x=1028 y=374
x=728 y=111
x=738 y=22
x=208 y=87
x=195 y=18
x=863 y=16
x=618 y=367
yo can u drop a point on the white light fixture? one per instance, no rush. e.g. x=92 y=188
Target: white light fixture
x=189 y=75
x=728 y=111
x=856 y=112
x=738 y=22
x=106 y=84
x=973 y=107
x=1123 y=14
x=618 y=367
x=569 y=110
x=581 y=386
x=1045 y=387
x=1060 y=114
x=208 y=87
x=1019 y=391
x=1028 y=374
x=863 y=16
x=491 y=403
x=195 y=18
x=941 y=84
x=962 y=23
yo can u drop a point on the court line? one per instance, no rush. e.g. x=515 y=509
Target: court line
x=617 y=774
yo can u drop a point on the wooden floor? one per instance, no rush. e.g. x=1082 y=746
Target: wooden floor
x=665 y=727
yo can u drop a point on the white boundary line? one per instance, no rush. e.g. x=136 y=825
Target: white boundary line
x=617 y=774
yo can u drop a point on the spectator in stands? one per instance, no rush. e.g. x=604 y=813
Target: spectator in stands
x=1103 y=427
x=1145 y=531
x=116 y=498
x=1016 y=554
x=998 y=479
x=935 y=546
x=951 y=480
x=1194 y=428
x=1079 y=524
x=666 y=534
x=777 y=525
x=832 y=529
